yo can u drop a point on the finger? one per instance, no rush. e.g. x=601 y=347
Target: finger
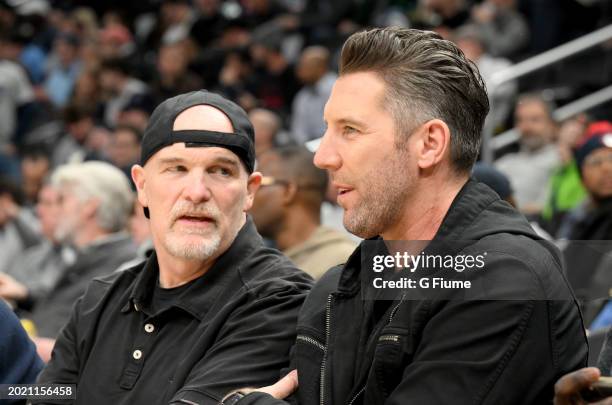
x=567 y=388
x=283 y=387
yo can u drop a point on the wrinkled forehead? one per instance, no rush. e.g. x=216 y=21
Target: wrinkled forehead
x=203 y=117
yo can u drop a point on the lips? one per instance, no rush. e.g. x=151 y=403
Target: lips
x=344 y=190
x=193 y=219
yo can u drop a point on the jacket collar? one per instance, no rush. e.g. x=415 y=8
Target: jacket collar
x=201 y=295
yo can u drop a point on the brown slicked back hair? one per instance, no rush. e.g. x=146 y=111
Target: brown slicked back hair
x=426 y=77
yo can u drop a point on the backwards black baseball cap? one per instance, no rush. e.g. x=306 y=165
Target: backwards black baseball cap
x=160 y=133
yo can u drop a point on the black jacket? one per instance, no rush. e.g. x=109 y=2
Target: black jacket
x=232 y=327
x=352 y=351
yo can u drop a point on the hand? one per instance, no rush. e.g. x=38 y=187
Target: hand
x=44 y=347
x=12 y=289
x=567 y=389
x=280 y=390
x=283 y=387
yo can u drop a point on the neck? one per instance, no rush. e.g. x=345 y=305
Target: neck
x=422 y=217
x=299 y=225
x=88 y=234
x=174 y=272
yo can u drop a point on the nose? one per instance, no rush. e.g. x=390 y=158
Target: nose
x=327 y=156
x=197 y=190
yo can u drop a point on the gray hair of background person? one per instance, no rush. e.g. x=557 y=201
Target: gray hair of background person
x=426 y=78
x=103 y=182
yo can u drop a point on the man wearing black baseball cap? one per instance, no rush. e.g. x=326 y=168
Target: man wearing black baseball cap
x=211 y=309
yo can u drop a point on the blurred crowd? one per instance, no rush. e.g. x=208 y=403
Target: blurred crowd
x=79 y=80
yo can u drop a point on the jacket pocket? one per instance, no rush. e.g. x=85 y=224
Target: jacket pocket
x=393 y=352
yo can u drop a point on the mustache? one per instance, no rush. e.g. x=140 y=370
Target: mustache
x=185 y=208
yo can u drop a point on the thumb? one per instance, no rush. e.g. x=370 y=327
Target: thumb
x=283 y=387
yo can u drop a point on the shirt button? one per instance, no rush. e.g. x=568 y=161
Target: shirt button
x=137 y=354
x=149 y=328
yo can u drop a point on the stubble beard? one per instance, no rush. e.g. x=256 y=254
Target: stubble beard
x=206 y=245
x=384 y=194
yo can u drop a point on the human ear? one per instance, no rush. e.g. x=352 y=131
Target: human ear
x=138 y=176
x=434 y=143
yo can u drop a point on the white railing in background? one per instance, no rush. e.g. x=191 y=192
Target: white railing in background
x=490 y=143
x=536 y=63
x=567 y=111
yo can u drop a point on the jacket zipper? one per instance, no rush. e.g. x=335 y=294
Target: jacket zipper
x=311 y=341
x=389 y=338
x=323 y=363
x=394 y=310
x=356 y=395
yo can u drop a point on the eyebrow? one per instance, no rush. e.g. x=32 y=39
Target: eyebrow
x=172 y=160
x=226 y=160
x=351 y=121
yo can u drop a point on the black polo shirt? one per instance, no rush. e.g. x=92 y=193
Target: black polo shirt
x=233 y=327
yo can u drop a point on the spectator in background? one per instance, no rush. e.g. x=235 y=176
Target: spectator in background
x=472 y=43
x=274 y=83
x=18 y=227
x=503 y=28
x=19 y=363
x=307 y=110
x=140 y=231
x=137 y=112
x=317 y=20
x=87 y=23
x=209 y=24
x=95 y=204
x=173 y=77
x=118 y=88
x=174 y=22
x=34 y=273
x=35 y=166
x=287 y=210
x=444 y=15
x=116 y=42
x=64 y=69
x=71 y=147
x=16 y=94
x=256 y=13
x=499 y=183
x=593 y=161
x=86 y=91
x=591 y=222
x=531 y=169
x=16 y=45
x=125 y=148
x=234 y=77
x=267 y=125
x=565 y=189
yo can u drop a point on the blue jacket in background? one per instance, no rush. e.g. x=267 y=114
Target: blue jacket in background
x=19 y=363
